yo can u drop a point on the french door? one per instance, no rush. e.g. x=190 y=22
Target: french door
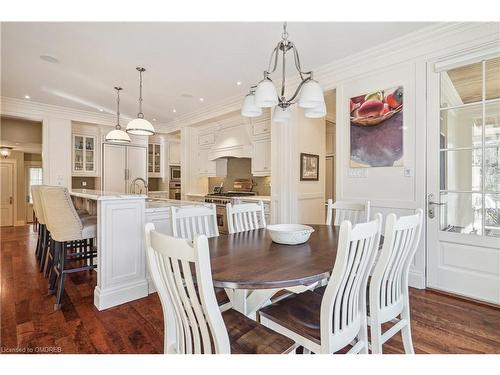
x=463 y=177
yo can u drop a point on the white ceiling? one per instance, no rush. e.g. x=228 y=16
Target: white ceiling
x=200 y=59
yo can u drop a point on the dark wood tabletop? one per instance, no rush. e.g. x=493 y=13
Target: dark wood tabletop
x=250 y=260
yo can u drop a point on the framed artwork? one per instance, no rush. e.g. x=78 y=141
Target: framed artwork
x=309 y=167
x=377 y=129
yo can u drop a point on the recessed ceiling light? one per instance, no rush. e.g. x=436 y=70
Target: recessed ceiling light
x=201 y=99
x=27 y=97
x=101 y=110
x=154 y=119
x=174 y=110
x=50 y=59
x=188 y=96
x=238 y=83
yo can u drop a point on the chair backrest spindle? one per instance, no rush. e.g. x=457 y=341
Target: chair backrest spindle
x=245 y=216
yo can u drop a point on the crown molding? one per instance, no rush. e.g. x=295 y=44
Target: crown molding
x=40 y=111
x=427 y=41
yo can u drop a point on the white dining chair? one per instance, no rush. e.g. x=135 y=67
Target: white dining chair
x=192 y=320
x=354 y=212
x=330 y=322
x=245 y=216
x=388 y=288
x=188 y=222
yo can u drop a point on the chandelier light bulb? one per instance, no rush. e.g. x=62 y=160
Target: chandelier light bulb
x=265 y=94
x=281 y=115
x=249 y=109
x=316 y=112
x=311 y=95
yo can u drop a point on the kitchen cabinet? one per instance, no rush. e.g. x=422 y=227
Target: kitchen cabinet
x=84 y=155
x=174 y=153
x=262 y=128
x=206 y=139
x=261 y=160
x=121 y=165
x=155 y=157
x=205 y=166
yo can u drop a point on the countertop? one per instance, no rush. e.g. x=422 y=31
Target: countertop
x=165 y=204
x=98 y=195
x=195 y=195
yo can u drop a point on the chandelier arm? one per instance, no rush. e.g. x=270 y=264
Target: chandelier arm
x=298 y=89
x=283 y=77
x=275 y=55
x=297 y=62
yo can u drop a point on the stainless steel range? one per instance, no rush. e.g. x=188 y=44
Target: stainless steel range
x=242 y=188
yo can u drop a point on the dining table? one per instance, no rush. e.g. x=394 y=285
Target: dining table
x=252 y=268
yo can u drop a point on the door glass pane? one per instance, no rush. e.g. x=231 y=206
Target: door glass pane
x=492 y=176
x=462 y=85
x=492 y=215
x=79 y=159
x=461 y=127
x=462 y=170
x=492 y=122
x=493 y=78
x=89 y=143
x=461 y=213
x=79 y=143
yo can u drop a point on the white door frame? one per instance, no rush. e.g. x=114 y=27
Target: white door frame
x=14 y=187
x=480 y=270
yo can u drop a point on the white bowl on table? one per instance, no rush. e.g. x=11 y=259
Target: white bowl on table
x=289 y=234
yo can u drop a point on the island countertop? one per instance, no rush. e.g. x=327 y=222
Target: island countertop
x=165 y=204
x=98 y=195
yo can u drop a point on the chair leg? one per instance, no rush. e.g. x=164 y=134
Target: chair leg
x=363 y=337
x=55 y=248
x=38 y=245
x=376 y=338
x=49 y=257
x=406 y=333
x=43 y=247
x=60 y=288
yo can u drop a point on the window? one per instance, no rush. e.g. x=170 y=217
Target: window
x=470 y=149
x=35 y=177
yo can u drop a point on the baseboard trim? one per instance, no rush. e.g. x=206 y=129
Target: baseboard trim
x=19 y=223
x=416 y=279
x=116 y=296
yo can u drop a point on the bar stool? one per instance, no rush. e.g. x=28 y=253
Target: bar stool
x=72 y=238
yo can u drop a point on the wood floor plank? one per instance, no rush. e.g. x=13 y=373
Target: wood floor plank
x=440 y=323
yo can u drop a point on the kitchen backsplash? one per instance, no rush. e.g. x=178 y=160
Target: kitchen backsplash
x=241 y=168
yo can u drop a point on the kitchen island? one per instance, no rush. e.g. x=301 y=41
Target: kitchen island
x=121 y=257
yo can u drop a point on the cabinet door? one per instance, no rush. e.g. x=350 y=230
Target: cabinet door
x=113 y=168
x=151 y=158
x=174 y=153
x=202 y=161
x=90 y=151
x=136 y=164
x=78 y=153
x=157 y=159
x=261 y=161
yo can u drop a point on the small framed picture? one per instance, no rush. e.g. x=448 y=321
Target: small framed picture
x=309 y=167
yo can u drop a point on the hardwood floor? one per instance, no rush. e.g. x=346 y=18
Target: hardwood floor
x=440 y=323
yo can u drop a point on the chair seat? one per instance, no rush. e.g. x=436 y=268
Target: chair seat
x=299 y=313
x=89 y=227
x=246 y=336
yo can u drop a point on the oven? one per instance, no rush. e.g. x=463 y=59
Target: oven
x=221 y=219
x=174 y=191
x=175 y=173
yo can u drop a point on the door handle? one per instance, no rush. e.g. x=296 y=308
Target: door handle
x=10 y=200
x=430 y=206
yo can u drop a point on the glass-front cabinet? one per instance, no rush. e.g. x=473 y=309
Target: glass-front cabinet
x=84 y=155
x=154 y=160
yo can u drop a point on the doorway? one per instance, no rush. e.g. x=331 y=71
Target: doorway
x=463 y=178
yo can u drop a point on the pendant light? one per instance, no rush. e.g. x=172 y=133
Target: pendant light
x=308 y=94
x=249 y=108
x=140 y=126
x=117 y=135
x=5 y=151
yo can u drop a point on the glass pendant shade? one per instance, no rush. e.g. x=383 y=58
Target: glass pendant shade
x=311 y=95
x=140 y=126
x=117 y=136
x=249 y=109
x=316 y=112
x=281 y=115
x=265 y=94
x=5 y=151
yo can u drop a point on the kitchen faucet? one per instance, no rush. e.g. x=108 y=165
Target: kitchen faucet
x=133 y=183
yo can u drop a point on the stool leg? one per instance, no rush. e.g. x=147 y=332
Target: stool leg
x=49 y=257
x=38 y=245
x=43 y=246
x=55 y=246
x=60 y=288
x=91 y=249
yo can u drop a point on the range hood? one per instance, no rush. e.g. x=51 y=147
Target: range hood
x=232 y=142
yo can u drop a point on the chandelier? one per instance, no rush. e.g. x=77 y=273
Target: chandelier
x=308 y=94
x=117 y=135
x=140 y=126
